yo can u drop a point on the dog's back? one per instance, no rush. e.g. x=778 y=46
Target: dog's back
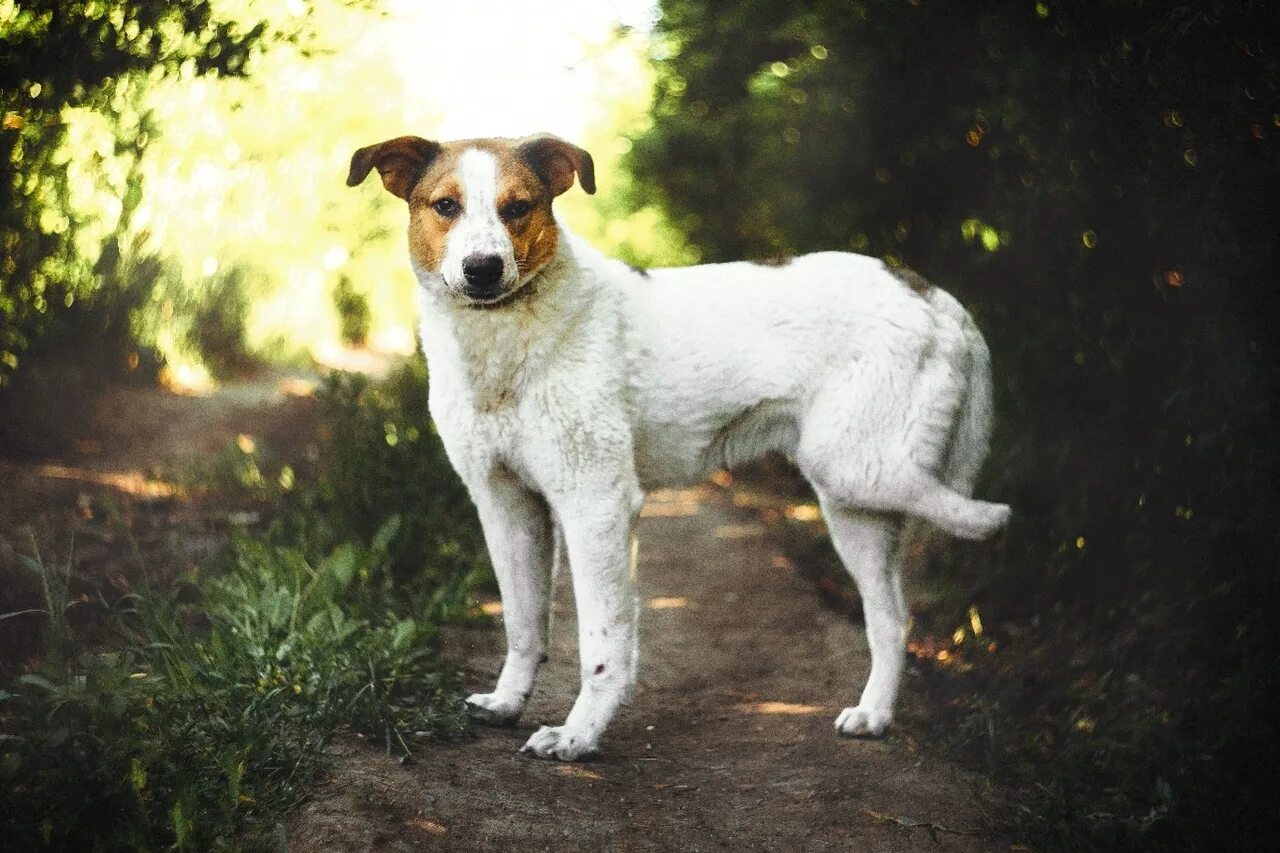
x=728 y=361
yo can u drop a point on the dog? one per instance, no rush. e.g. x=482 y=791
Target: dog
x=565 y=384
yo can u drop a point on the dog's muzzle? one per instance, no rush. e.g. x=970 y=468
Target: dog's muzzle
x=483 y=276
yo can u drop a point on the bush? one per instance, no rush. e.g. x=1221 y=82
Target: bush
x=218 y=326
x=210 y=722
x=89 y=340
x=97 y=59
x=1096 y=182
x=354 y=315
x=383 y=457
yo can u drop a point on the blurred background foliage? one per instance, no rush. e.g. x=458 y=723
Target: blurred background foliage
x=75 y=126
x=174 y=201
x=1098 y=182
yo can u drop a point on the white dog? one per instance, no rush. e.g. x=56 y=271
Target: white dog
x=564 y=384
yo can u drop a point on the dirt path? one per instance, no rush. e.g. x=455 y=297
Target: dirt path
x=132 y=438
x=727 y=745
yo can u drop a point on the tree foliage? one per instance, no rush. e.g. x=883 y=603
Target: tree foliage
x=1099 y=183
x=96 y=56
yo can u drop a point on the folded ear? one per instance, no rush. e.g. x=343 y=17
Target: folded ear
x=556 y=161
x=400 y=162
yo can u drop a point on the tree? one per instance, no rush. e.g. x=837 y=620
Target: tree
x=97 y=56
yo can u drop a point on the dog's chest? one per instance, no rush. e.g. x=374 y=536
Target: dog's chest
x=545 y=430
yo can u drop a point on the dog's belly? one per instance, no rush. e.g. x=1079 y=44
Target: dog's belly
x=667 y=459
x=671 y=452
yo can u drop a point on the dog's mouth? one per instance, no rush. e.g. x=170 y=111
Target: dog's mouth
x=480 y=302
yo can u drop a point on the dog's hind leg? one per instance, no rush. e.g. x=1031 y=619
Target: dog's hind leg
x=518 y=532
x=867 y=545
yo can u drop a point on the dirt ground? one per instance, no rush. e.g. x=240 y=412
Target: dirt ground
x=727 y=745
x=132 y=440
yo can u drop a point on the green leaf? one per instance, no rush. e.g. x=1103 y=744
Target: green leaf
x=386 y=533
x=404 y=631
x=341 y=564
x=36 y=681
x=4 y=616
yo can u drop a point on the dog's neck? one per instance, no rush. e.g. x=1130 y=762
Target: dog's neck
x=494 y=353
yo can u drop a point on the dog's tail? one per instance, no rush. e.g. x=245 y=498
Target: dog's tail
x=970 y=435
x=971 y=440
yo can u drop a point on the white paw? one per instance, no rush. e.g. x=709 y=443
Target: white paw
x=558 y=742
x=497 y=709
x=863 y=722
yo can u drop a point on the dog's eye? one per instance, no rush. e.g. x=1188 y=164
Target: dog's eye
x=446 y=207
x=515 y=210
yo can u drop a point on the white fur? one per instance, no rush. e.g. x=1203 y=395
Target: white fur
x=561 y=406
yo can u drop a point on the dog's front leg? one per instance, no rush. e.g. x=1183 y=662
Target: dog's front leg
x=597 y=534
x=517 y=531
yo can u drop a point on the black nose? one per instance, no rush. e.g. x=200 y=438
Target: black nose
x=482 y=272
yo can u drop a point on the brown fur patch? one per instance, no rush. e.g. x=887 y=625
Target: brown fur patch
x=911 y=279
x=557 y=161
x=775 y=261
x=534 y=237
x=428 y=230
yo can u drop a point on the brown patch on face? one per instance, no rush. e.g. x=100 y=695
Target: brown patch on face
x=428 y=228
x=533 y=234
x=911 y=279
x=523 y=206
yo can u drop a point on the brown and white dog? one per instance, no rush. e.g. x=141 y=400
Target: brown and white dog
x=564 y=384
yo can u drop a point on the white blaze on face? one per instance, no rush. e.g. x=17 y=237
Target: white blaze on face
x=479 y=230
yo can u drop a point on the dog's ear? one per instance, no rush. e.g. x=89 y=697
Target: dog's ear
x=400 y=162
x=556 y=162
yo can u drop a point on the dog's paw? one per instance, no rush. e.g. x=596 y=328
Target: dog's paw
x=558 y=742
x=863 y=722
x=496 y=709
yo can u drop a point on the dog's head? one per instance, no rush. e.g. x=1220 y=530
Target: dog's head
x=480 y=222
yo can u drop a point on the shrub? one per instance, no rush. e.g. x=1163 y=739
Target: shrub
x=354 y=315
x=382 y=458
x=210 y=721
x=218 y=326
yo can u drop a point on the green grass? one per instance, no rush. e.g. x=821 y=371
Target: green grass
x=208 y=722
